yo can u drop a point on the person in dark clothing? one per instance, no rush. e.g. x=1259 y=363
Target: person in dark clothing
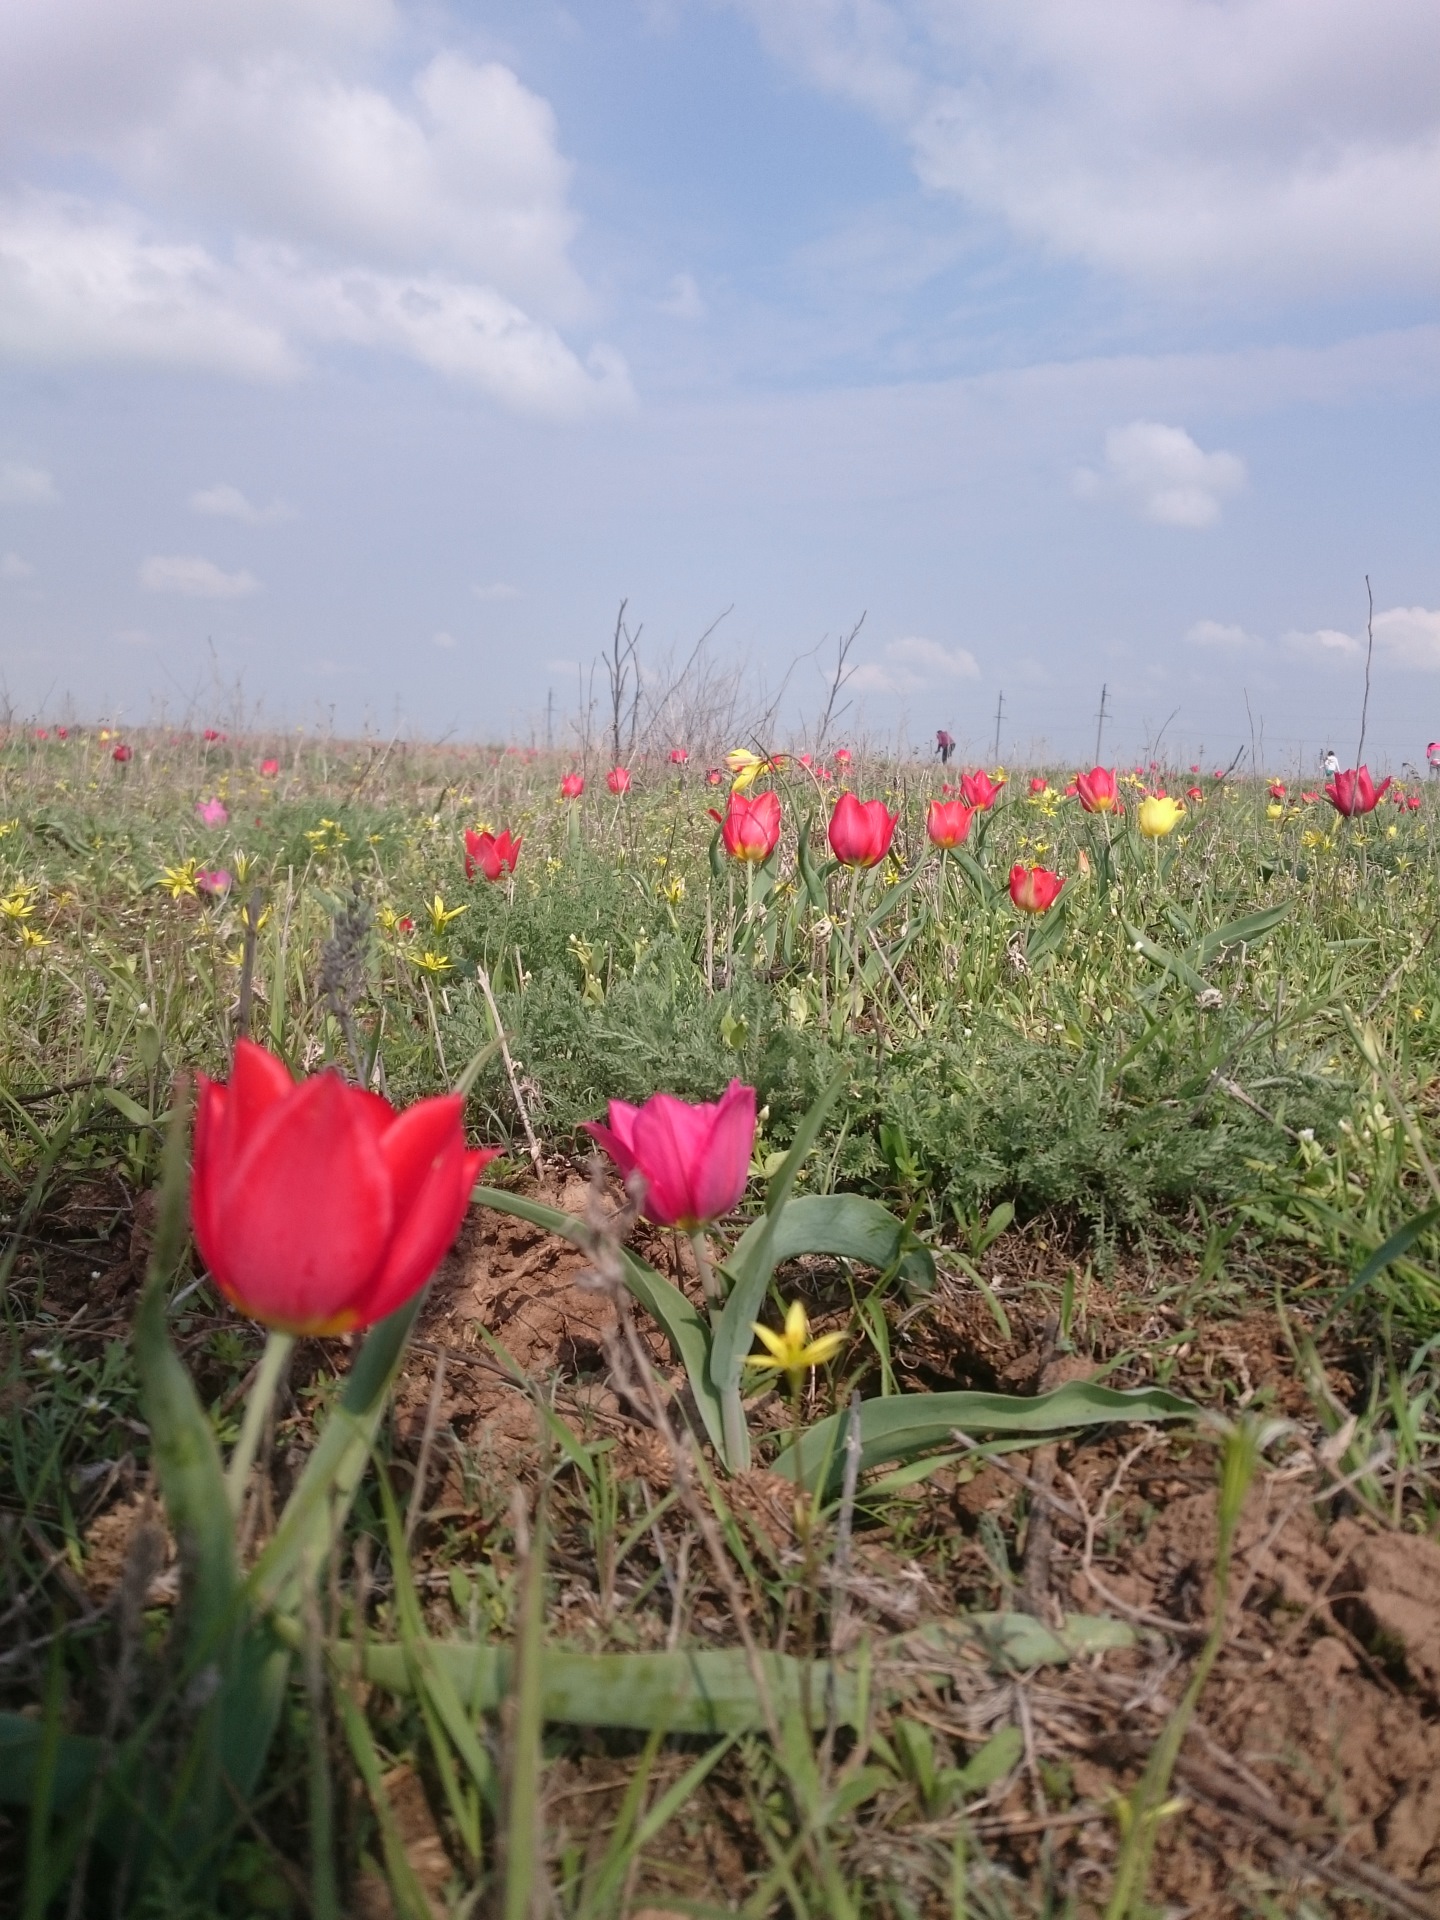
x=944 y=746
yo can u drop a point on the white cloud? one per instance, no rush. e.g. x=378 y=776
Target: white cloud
x=497 y=590
x=226 y=502
x=24 y=486
x=442 y=640
x=1410 y=637
x=464 y=174
x=1214 y=633
x=683 y=299
x=913 y=663
x=1322 y=644
x=1163 y=475
x=79 y=282
x=13 y=568
x=196 y=578
x=1280 y=145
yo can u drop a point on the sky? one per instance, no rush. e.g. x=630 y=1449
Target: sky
x=359 y=357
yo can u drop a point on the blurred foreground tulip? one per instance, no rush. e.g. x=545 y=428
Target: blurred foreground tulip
x=269 y=768
x=1353 y=791
x=490 y=854
x=572 y=785
x=860 y=831
x=694 y=1160
x=216 y=881
x=1034 y=889
x=1158 y=815
x=316 y=1207
x=947 y=822
x=212 y=813
x=750 y=827
x=618 y=779
x=1098 y=790
x=122 y=753
x=979 y=791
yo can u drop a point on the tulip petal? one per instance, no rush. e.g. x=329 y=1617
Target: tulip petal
x=671 y=1140
x=412 y=1142
x=618 y=1138
x=426 y=1232
x=305 y=1216
x=718 y=1182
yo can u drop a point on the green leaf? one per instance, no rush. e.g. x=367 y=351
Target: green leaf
x=1180 y=969
x=814 y=885
x=1047 y=933
x=1247 y=932
x=1000 y=1753
x=970 y=866
x=753 y=1261
x=660 y=1298
x=904 y=1425
x=845 y=1224
x=127 y=1108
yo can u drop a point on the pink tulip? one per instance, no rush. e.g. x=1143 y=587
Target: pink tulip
x=979 y=790
x=216 y=881
x=618 y=779
x=861 y=831
x=490 y=854
x=1353 y=791
x=1034 y=889
x=1098 y=791
x=269 y=768
x=214 y=813
x=842 y=756
x=948 y=822
x=572 y=785
x=694 y=1160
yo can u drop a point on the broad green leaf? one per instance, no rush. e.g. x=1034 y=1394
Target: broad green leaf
x=994 y=1760
x=897 y=1427
x=127 y=1108
x=846 y=1224
x=970 y=866
x=660 y=1298
x=1047 y=933
x=1247 y=932
x=1180 y=969
x=753 y=1261
x=814 y=885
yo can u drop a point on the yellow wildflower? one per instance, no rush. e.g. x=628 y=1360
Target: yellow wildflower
x=429 y=962
x=793 y=1352
x=441 y=915
x=179 y=881
x=32 y=937
x=18 y=905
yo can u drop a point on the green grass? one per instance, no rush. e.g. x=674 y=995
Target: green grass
x=1255 y=1116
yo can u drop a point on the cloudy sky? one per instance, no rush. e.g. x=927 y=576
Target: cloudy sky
x=363 y=354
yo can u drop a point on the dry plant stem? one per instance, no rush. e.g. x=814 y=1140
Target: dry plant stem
x=520 y=1107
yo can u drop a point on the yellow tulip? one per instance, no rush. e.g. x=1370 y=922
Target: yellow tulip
x=1158 y=815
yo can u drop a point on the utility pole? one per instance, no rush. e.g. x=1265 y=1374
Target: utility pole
x=999 y=712
x=1100 y=721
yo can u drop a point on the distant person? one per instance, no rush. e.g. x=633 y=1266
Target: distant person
x=944 y=746
x=1432 y=756
x=1330 y=764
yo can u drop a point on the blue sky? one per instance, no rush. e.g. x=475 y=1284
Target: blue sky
x=363 y=355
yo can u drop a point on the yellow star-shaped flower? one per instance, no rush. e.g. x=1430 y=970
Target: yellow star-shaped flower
x=793 y=1352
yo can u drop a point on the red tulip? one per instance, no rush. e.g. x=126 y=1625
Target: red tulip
x=269 y=768
x=979 y=790
x=713 y=776
x=122 y=753
x=1413 y=803
x=1195 y=793
x=842 y=756
x=618 y=779
x=213 y=734
x=1309 y=798
x=572 y=785
x=948 y=822
x=62 y=733
x=1034 y=889
x=860 y=830
x=1353 y=792
x=1037 y=783
x=694 y=1160
x=316 y=1207
x=1098 y=791
x=42 y=733
x=751 y=826
x=490 y=854
x=678 y=756
x=1277 y=789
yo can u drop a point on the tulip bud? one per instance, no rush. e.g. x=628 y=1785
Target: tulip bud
x=1034 y=889
x=693 y=1159
x=861 y=831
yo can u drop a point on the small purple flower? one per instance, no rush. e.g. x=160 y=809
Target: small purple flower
x=215 y=881
x=214 y=813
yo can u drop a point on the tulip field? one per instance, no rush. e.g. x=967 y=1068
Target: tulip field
x=749 y=1332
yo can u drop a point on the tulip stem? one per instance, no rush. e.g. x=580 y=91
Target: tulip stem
x=714 y=1292
x=274 y=1362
